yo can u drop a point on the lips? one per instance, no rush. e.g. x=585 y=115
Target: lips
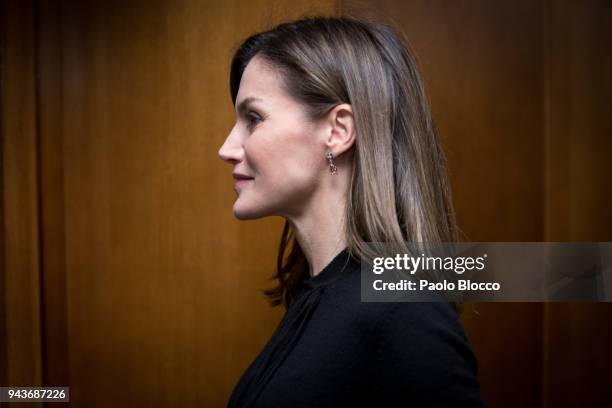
x=240 y=176
x=240 y=184
x=240 y=180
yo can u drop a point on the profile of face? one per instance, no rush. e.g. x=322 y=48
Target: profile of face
x=278 y=156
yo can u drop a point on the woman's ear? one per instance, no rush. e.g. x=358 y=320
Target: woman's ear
x=342 y=129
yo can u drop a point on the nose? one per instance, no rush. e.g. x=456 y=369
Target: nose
x=231 y=151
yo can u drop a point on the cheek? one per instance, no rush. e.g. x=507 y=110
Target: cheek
x=284 y=162
x=301 y=172
x=259 y=156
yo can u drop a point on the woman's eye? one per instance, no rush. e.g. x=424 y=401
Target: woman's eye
x=252 y=120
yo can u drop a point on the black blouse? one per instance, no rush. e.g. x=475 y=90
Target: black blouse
x=332 y=350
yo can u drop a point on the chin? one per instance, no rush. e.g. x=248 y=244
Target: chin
x=245 y=213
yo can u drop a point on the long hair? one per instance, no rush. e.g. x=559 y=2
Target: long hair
x=399 y=191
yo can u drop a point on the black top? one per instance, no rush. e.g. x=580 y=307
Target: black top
x=332 y=350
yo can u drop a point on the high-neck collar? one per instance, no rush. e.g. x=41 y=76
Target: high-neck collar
x=342 y=261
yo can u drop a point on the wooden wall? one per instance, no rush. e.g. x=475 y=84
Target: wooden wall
x=124 y=273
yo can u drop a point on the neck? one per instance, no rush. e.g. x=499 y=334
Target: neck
x=320 y=229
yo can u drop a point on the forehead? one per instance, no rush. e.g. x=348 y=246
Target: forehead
x=260 y=80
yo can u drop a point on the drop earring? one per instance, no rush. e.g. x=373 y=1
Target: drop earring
x=332 y=167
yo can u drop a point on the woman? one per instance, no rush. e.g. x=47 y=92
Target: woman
x=334 y=134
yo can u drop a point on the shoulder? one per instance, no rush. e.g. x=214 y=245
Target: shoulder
x=418 y=350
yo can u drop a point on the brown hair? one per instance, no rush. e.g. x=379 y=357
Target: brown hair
x=399 y=189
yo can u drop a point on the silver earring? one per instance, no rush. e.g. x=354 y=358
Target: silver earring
x=332 y=167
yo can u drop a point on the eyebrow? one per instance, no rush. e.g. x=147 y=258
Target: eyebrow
x=242 y=106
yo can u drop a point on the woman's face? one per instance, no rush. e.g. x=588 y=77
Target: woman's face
x=274 y=146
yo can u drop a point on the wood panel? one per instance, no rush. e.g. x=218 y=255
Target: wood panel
x=579 y=134
x=52 y=206
x=579 y=192
x=20 y=331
